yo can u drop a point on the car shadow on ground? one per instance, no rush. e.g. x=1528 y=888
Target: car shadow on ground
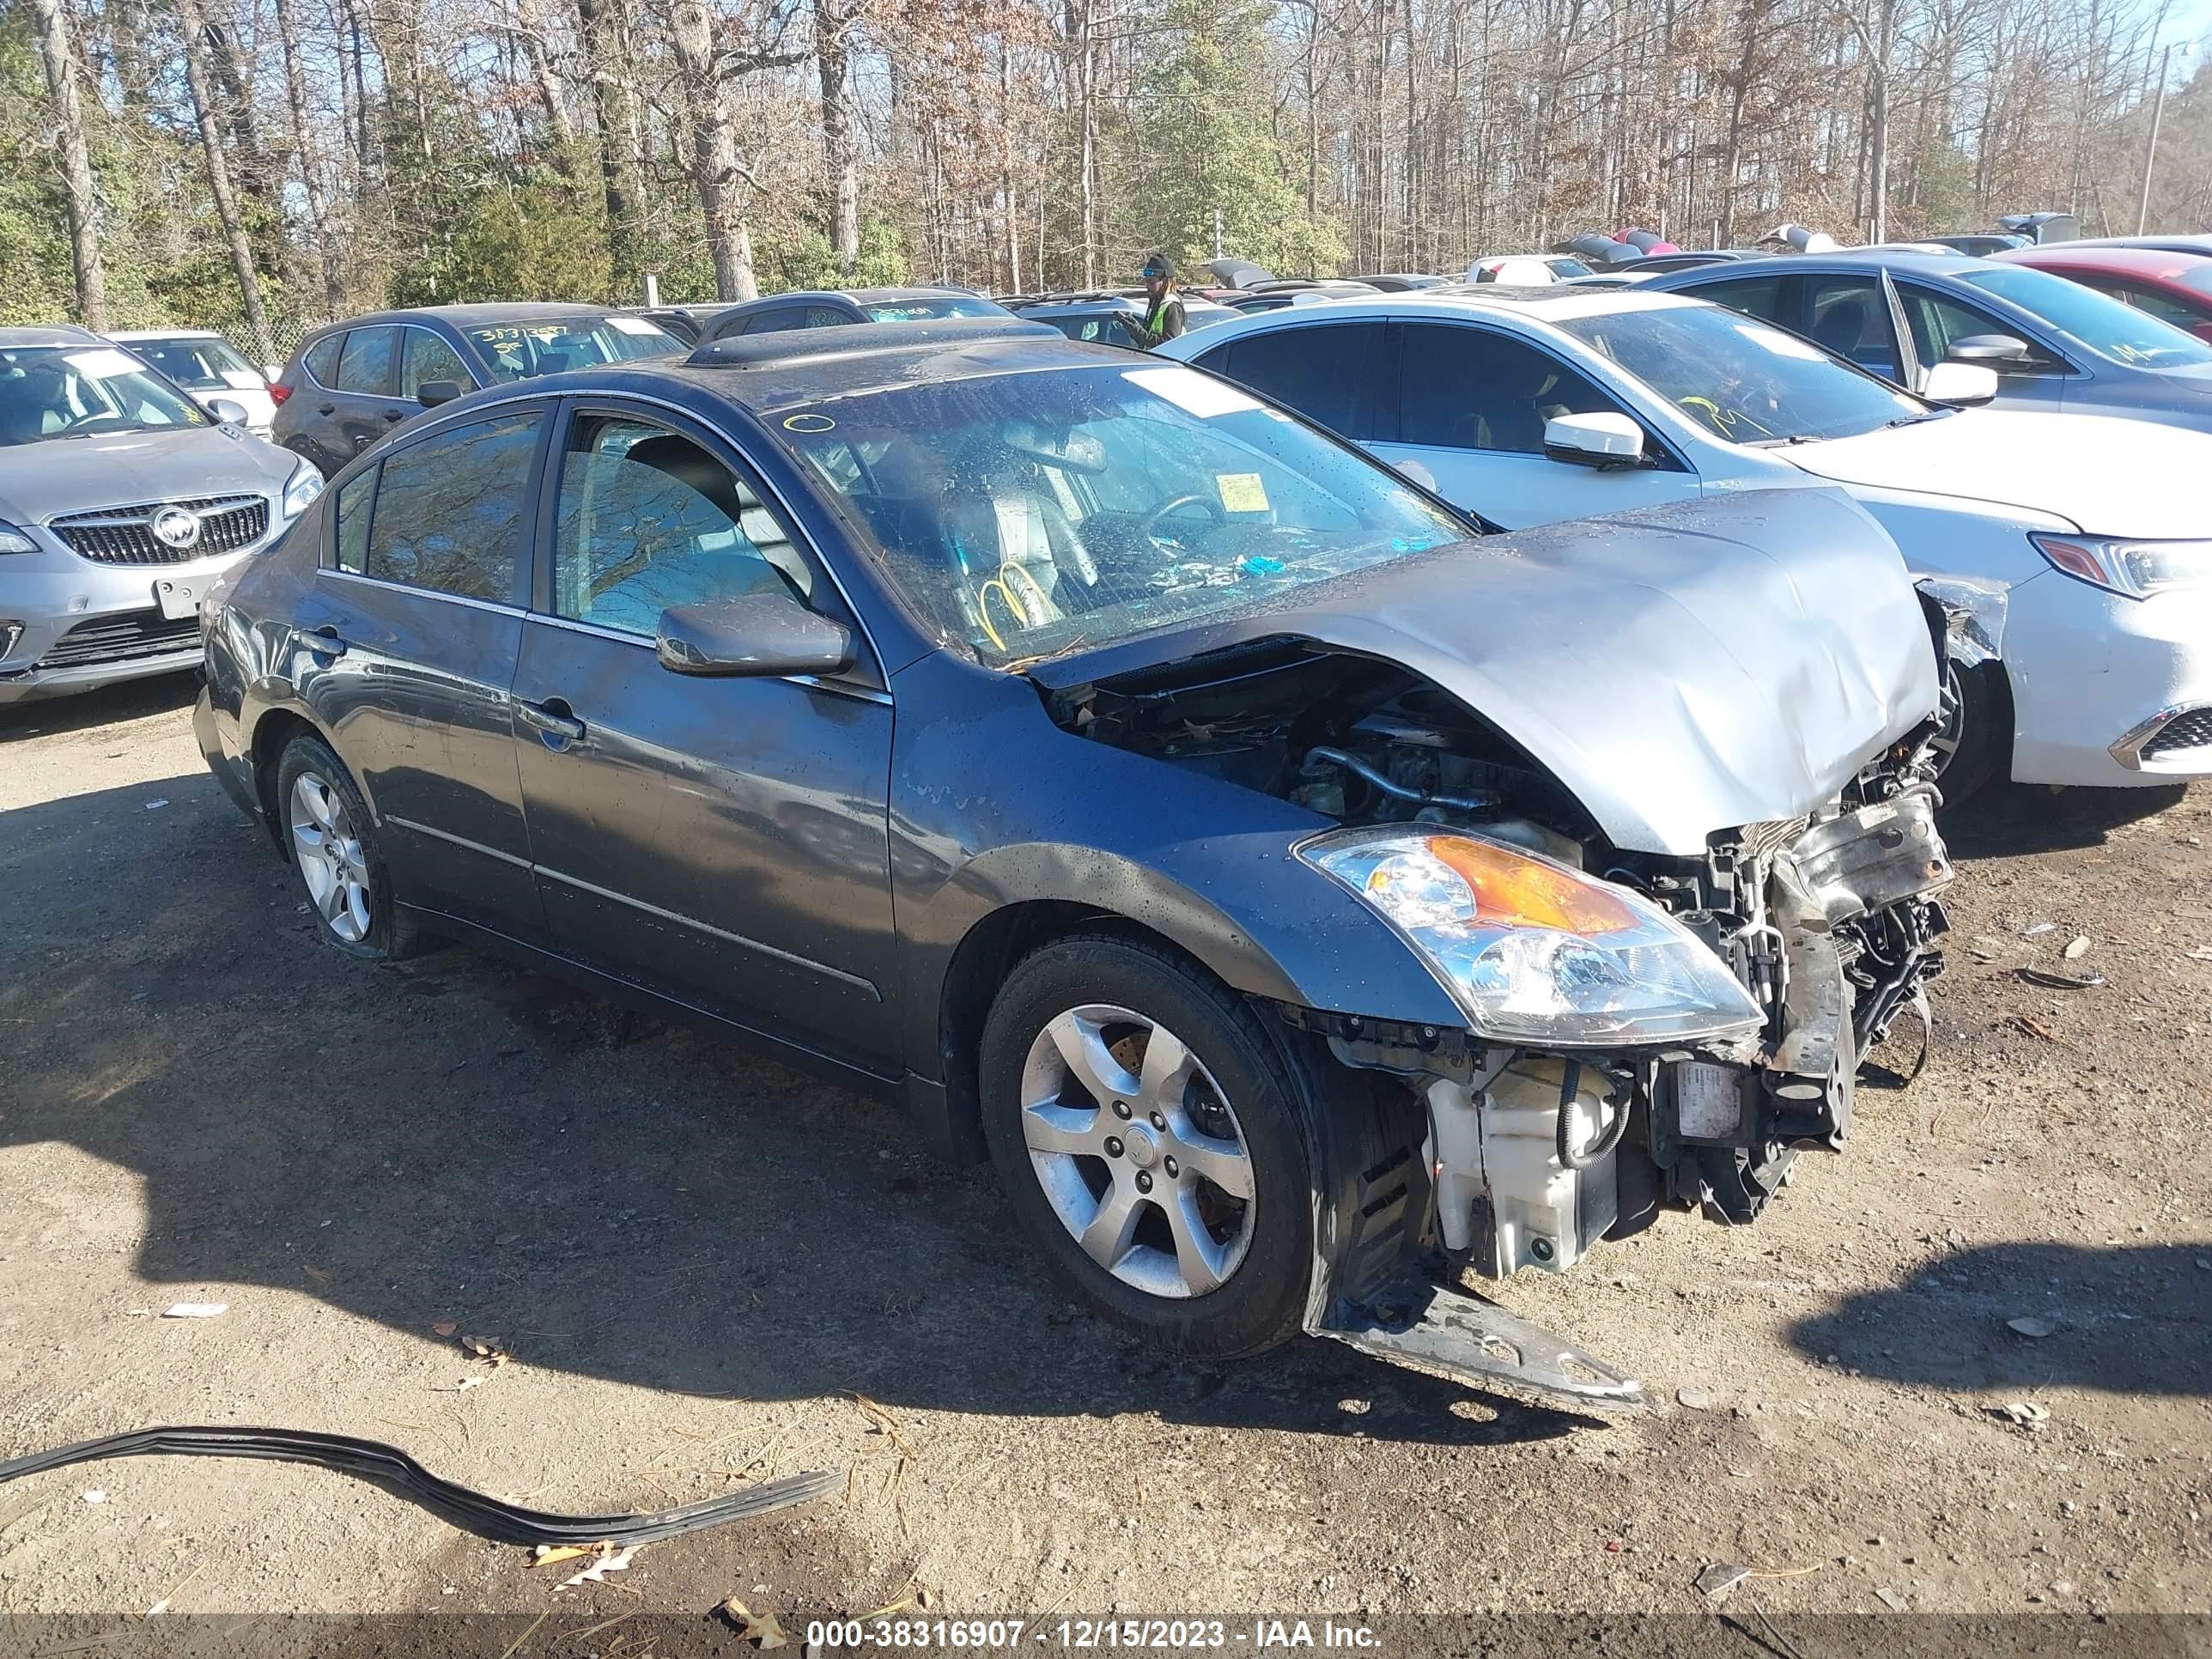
x=453 y=1139
x=2121 y=1319
x=2006 y=819
x=47 y=717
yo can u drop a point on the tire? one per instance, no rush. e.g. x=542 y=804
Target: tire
x=1240 y=1082
x=1980 y=731
x=349 y=894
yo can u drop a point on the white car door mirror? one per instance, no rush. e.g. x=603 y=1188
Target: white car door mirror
x=1602 y=441
x=1959 y=386
x=228 y=410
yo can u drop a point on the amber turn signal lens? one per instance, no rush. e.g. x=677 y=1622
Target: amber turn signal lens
x=1507 y=885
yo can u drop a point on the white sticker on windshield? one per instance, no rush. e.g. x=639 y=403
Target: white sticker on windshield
x=632 y=326
x=1191 y=392
x=1781 y=344
x=104 y=364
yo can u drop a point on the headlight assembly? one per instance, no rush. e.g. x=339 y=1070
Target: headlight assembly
x=301 y=488
x=1534 y=951
x=2137 y=569
x=13 y=540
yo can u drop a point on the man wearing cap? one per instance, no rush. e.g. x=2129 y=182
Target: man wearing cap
x=1163 y=317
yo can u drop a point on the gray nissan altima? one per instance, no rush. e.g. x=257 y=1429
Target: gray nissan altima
x=1301 y=895
x=121 y=502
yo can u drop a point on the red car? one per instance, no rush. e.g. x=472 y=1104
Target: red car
x=2175 y=288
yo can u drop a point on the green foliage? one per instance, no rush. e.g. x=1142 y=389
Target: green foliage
x=526 y=241
x=1207 y=142
x=786 y=256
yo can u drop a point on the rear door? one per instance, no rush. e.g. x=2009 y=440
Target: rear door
x=413 y=627
x=364 y=404
x=1852 y=316
x=723 y=841
x=1332 y=373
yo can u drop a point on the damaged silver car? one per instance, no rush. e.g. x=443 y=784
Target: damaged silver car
x=1301 y=895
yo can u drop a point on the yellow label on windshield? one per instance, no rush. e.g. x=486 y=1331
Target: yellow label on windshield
x=1241 y=492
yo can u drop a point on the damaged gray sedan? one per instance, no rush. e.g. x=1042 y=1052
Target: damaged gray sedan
x=1301 y=896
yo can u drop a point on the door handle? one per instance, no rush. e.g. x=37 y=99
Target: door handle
x=395 y=415
x=555 y=720
x=327 y=408
x=325 y=642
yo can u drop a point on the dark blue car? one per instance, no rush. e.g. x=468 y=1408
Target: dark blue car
x=2055 y=344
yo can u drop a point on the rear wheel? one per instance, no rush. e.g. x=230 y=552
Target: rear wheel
x=331 y=841
x=1152 y=1143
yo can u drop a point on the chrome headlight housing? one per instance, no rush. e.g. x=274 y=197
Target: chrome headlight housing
x=301 y=488
x=13 y=540
x=1533 y=950
x=2136 y=568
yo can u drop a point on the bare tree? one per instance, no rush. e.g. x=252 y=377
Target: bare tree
x=56 y=47
x=192 y=26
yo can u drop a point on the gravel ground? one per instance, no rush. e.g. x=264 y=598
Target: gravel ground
x=708 y=1270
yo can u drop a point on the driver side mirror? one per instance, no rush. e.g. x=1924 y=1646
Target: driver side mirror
x=1959 y=386
x=431 y=393
x=1999 y=351
x=757 y=636
x=1605 y=440
x=228 y=410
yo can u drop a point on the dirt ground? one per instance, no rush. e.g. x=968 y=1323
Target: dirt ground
x=704 y=1265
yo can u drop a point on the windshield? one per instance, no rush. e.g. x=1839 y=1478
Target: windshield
x=200 y=365
x=936 y=305
x=1741 y=378
x=522 y=351
x=1030 y=513
x=83 y=392
x=2097 y=322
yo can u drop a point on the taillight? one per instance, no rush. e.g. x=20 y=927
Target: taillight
x=278 y=392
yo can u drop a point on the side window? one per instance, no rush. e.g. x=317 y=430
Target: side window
x=365 y=365
x=427 y=357
x=1758 y=296
x=1938 y=320
x=2151 y=303
x=353 y=522
x=448 y=513
x=1850 y=315
x=1462 y=387
x=1320 y=370
x=322 y=360
x=775 y=322
x=649 y=519
x=824 y=317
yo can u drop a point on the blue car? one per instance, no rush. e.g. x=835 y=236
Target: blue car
x=2055 y=344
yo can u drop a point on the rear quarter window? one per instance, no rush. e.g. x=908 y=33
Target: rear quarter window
x=322 y=359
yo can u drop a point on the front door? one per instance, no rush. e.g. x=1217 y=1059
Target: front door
x=2036 y=382
x=412 y=630
x=1471 y=410
x=724 y=842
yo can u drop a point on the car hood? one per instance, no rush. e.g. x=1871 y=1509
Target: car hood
x=1682 y=669
x=2103 y=475
x=76 y=475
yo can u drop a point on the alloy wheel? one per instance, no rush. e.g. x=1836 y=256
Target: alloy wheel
x=1138 y=1151
x=1952 y=733
x=332 y=859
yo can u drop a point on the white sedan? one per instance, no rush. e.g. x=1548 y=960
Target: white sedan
x=2080 y=546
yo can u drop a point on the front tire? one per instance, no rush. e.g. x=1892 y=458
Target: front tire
x=1153 y=1144
x=331 y=841
x=1977 y=735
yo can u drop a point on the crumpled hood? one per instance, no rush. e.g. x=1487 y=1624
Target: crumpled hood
x=2104 y=476
x=1682 y=669
x=77 y=475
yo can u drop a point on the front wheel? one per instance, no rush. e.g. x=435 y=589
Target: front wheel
x=1151 y=1142
x=1976 y=738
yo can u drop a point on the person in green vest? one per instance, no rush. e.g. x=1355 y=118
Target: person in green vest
x=1163 y=317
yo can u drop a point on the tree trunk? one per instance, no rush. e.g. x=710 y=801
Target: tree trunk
x=550 y=87
x=716 y=169
x=614 y=105
x=832 y=46
x=225 y=202
x=310 y=165
x=1088 y=85
x=126 y=32
x=54 y=45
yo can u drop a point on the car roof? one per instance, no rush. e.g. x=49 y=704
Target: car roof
x=2120 y=261
x=1552 y=303
x=47 y=334
x=165 y=334
x=1847 y=258
x=481 y=314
